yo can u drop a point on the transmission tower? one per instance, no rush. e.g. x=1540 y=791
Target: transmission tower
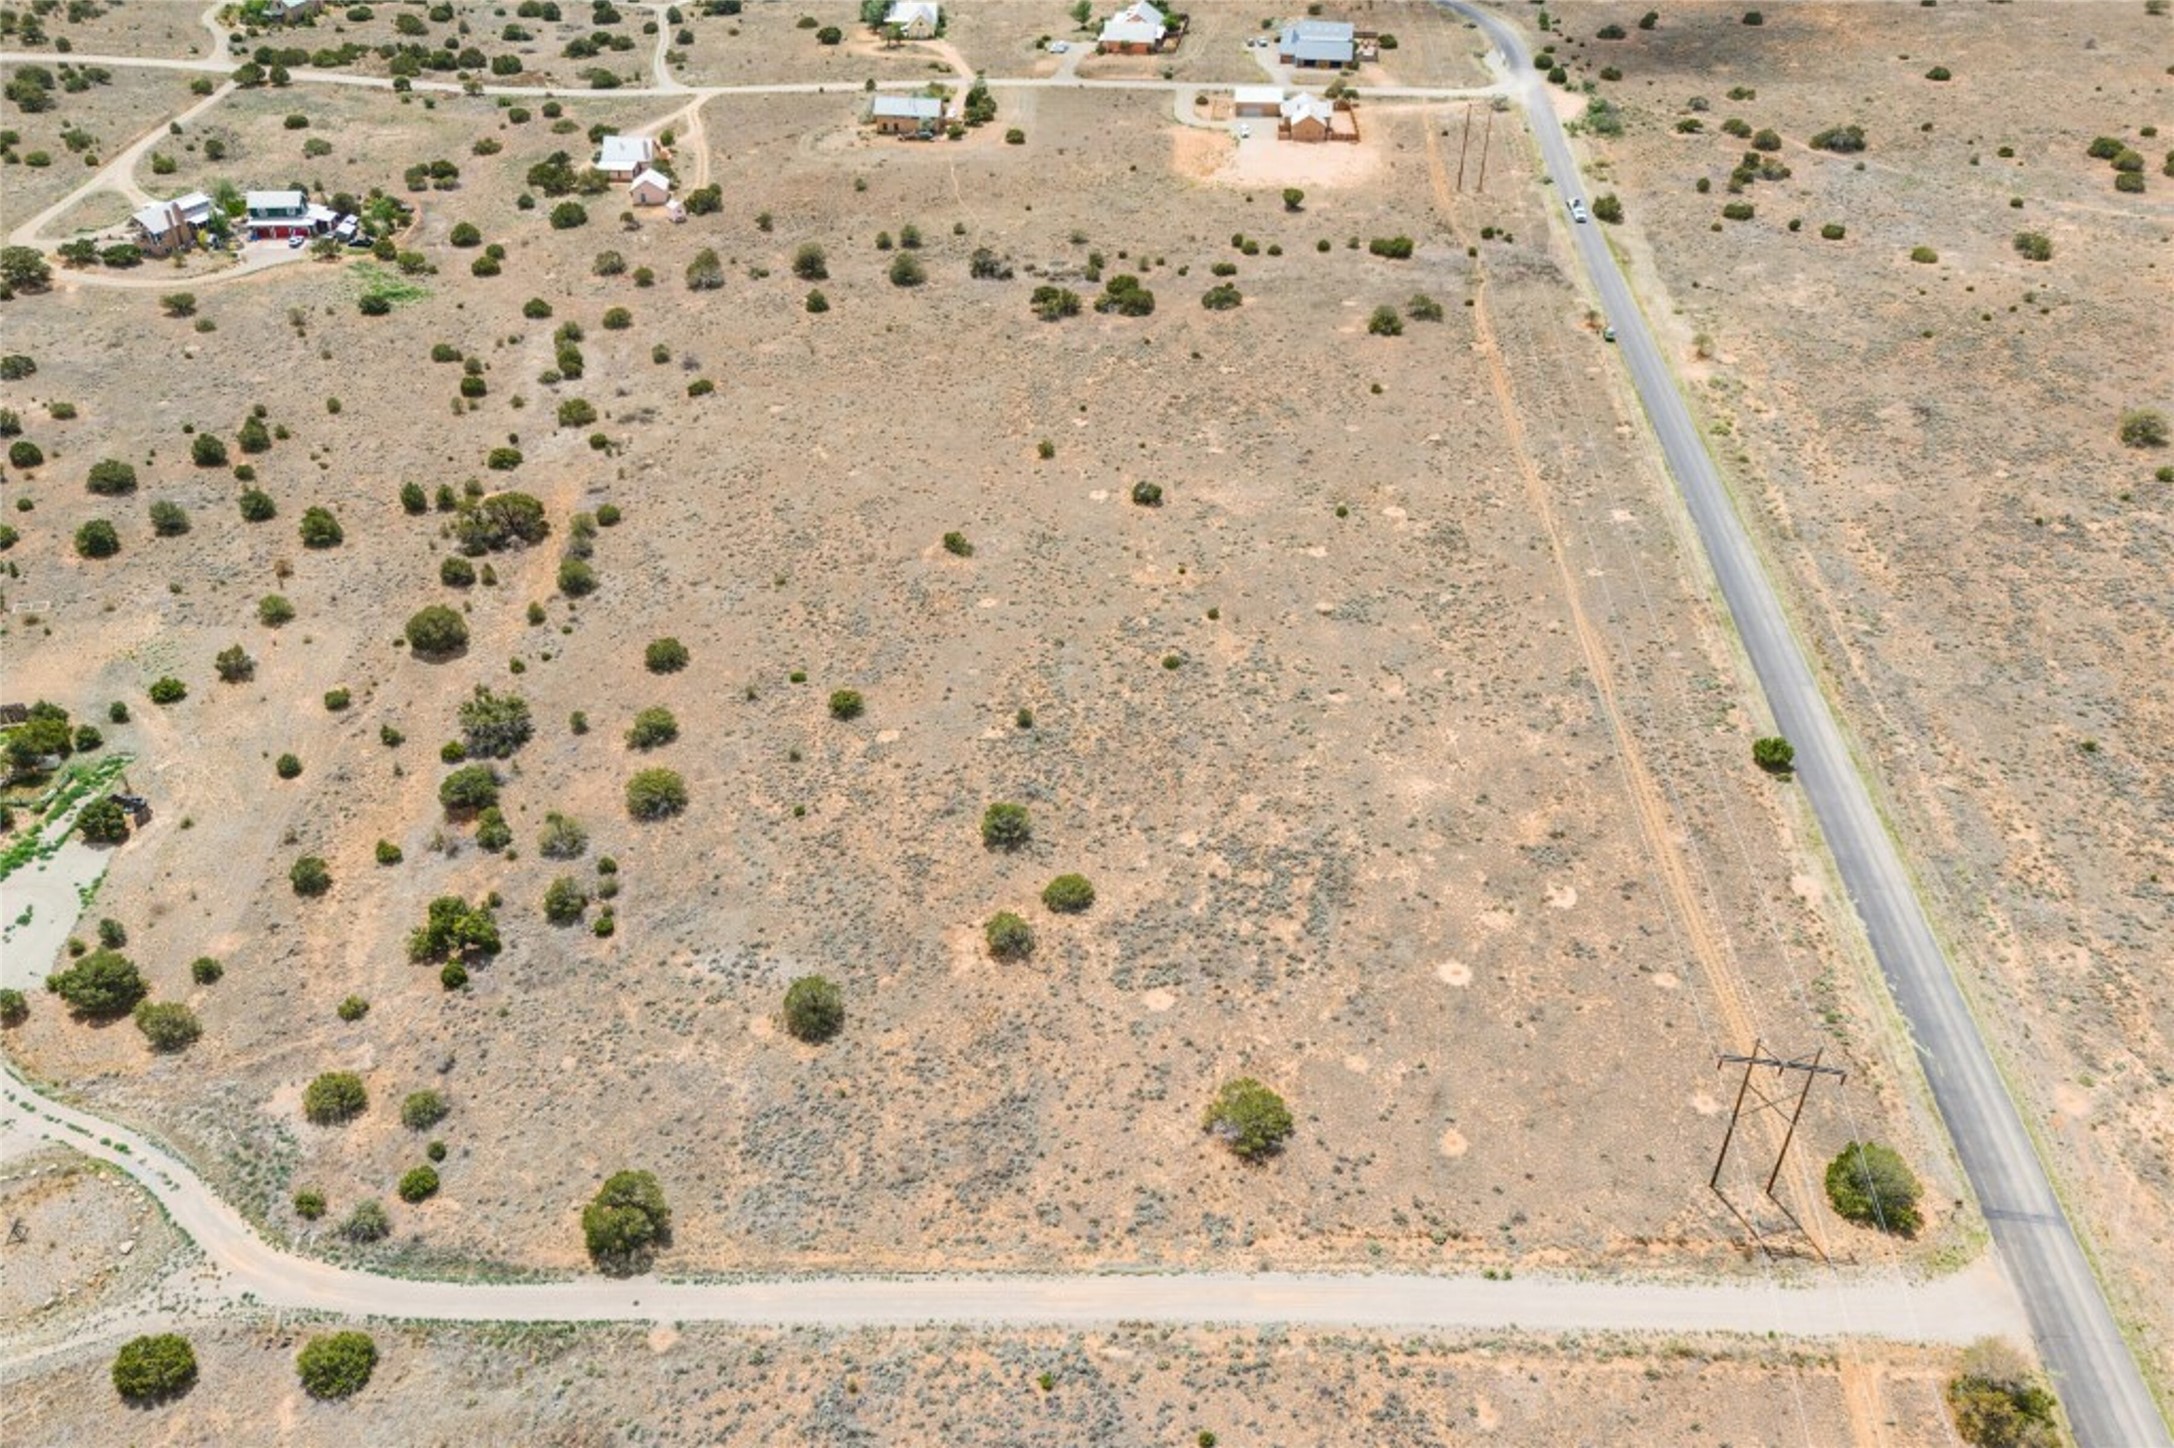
x=1785 y=1094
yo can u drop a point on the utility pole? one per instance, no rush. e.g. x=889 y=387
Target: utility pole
x=1464 y=145
x=1778 y=1098
x=1486 y=141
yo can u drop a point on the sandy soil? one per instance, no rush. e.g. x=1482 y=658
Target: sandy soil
x=595 y=1387
x=1382 y=835
x=80 y=1242
x=1978 y=561
x=112 y=114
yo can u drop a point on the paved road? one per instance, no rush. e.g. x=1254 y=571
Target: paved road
x=2097 y=1377
x=1949 y=1309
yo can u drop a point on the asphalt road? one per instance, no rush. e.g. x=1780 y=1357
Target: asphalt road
x=2096 y=1376
x=248 y=1270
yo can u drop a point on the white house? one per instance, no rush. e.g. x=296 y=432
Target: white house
x=1308 y=118
x=1317 y=43
x=1138 y=29
x=651 y=188
x=1257 y=100
x=623 y=157
x=166 y=226
x=915 y=19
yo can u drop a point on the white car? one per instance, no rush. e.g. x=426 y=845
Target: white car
x=1245 y=133
x=1059 y=47
x=1577 y=211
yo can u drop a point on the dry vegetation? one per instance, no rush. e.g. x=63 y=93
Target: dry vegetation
x=549 y=1385
x=81 y=1242
x=1933 y=449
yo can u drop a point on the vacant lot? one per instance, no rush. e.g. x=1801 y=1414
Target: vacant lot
x=82 y=1242
x=56 y=150
x=701 y=1385
x=1932 y=447
x=1402 y=748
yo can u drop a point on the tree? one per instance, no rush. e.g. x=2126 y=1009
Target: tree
x=102 y=822
x=1385 y=322
x=495 y=725
x=1774 y=754
x=1054 y=304
x=168 y=1025
x=454 y=929
x=437 y=632
x=468 y=789
x=25 y=454
x=664 y=656
x=1083 y=12
x=309 y=877
x=705 y=273
x=652 y=727
x=829 y=35
x=418 y=1184
x=150 y=1370
x=2143 y=427
x=809 y=263
x=257 y=506
x=422 y=1110
x=626 y=1221
x=207 y=451
x=97 y=539
x=169 y=519
x=254 y=437
x=14 y=1007
x=111 y=478
x=1222 y=297
x=234 y=665
x=567 y=215
x=1872 y=1185
x=814 y=1009
x=1005 y=826
x=1068 y=894
x=1124 y=295
x=100 y=986
x=907 y=271
x=495 y=523
x=1248 y=1118
x=24 y=269
x=653 y=794
x=1008 y=936
x=320 y=529
x=1842 y=140
x=167 y=690
x=1608 y=208
x=1998 y=1401
x=38 y=739
x=334 y=1097
x=338 y=1366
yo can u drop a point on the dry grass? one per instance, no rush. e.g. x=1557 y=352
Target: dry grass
x=1933 y=449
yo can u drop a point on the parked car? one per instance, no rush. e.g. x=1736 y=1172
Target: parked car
x=1059 y=47
x=1245 y=133
x=1607 y=334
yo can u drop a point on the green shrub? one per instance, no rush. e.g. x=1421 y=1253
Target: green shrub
x=653 y=728
x=97 y=539
x=111 y=478
x=706 y=273
x=1842 y=140
x=1737 y=211
x=1608 y=208
x=437 y=632
x=814 y=1009
x=626 y=1221
x=1385 y=323
x=1005 y=826
x=1423 y=308
x=273 y=611
x=1008 y=936
x=564 y=901
x=654 y=794
x=1998 y=1400
x=309 y=1205
x=204 y=970
x=99 y=986
x=470 y=788
x=955 y=543
x=2143 y=427
x=14 y=1007
x=233 y=665
x=351 y=1009
x=287 y=766
x=564 y=838
x=1924 y=255
x=102 y=822
x=1221 y=297
x=1871 y=1185
x=494 y=726
x=418 y=1184
x=421 y=1110
x=1068 y=894
x=24 y=454
x=1833 y=231
x=665 y=656
x=167 y=1025
x=1774 y=754
x=389 y=853
x=334 y=1097
x=1147 y=494
x=149 y=1370
x=320 y=529
x=309 y=877
x=1054 y=303
x=846 y=704
x=1124 y=295
x=367 y=1223
x=1248 y=1118
x=1396 y=248
x=257 y=506
x=338 y=1366
x=907 y=271
x=336 y=700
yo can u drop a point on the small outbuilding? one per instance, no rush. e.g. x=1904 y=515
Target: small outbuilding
x=622 y=158
x=1257 y=100
x=651 y=188
x=1138 y=29
x=1317 y=43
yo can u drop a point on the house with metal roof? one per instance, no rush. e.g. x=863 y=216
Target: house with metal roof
x=624 y=157
x=1317 y=43
x=898 y=115
x=167 y=226
x=915 y=19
